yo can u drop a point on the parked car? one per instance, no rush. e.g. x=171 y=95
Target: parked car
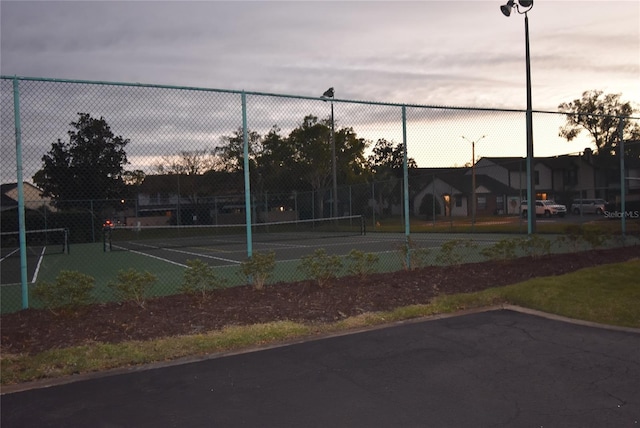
x=589 y=206
x=546 y=208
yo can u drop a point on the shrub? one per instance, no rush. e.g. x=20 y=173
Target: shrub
x=133 y=285
x=579 y=237
x=361 y=263
x=321 y=267
x=572 y=236
x=594 y=237
x=259 y=268
x=505 y=249
x=451 y=251
x=199 y=277
x=412 y=256
x=70 y=291
x=535 y=246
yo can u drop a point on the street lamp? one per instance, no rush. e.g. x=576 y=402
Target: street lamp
x=334 y=211
x=506 y=11
x=473 y=179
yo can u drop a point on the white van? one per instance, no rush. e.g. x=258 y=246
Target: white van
x=588 y=206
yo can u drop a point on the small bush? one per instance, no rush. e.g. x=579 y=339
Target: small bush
x=451 y=251
x=573 y=237
x=579 y=237
x=259 y=268
x=412 y=256
x=321 y=267
x=70 y=291
x=133 y=285
x=505 y=249
x=535 y=246
x=594 y=237
x=199 y=277
x=362 y=264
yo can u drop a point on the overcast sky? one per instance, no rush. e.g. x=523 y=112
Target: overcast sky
x=447 y=53
x=462 y=53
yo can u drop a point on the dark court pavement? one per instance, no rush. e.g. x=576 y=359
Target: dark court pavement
x=499 y=368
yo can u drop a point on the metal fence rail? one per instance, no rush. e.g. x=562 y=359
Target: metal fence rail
x=84 y=156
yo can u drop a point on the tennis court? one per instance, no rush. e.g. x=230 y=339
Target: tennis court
x=39 y=243
x=164 y=253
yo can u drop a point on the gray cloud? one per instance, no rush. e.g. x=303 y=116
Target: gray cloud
x=462 y=53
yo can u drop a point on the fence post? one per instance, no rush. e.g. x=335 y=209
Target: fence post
x=405 y=173
x=21 y=220
x=623 y=204
x=247 y=186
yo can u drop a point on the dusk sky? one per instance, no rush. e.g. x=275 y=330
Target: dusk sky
x=444 y=53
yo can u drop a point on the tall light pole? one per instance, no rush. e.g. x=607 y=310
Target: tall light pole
x=334 y=209
x=506 y=10
x=473 y=179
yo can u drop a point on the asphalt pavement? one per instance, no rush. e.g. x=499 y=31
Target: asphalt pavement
x=499 y=368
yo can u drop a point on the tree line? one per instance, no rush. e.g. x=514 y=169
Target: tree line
x=91 y=164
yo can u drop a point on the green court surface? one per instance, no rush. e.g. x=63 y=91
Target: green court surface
x=168 y=265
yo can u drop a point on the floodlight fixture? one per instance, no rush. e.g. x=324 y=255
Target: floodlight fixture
x=329 y=93
x=516 y=4
x=506 y=8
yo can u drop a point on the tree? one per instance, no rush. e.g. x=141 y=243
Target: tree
x=387 y=161
x=90 y=166
x=599 y=114
x=231 y=150
x=312 y=155
x=352 y=164
x=299 y=162
x=274 y=164
x=133 y=178
x=195 y=162
x=387 y=164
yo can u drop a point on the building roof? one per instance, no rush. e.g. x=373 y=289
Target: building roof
x=461 y=179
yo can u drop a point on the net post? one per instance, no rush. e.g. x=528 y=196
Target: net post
x=65 y=248
x=106 y=239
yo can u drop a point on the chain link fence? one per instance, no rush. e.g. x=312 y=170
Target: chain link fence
x=101 y=177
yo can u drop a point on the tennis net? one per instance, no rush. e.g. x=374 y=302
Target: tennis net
x=42 y=241
x=159 y=237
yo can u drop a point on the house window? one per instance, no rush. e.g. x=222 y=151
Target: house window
x=458 y=201
x=482 y=202
x=536 y=177
x=571 y=177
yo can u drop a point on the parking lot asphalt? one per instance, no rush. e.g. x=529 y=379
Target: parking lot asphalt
x=499 y=368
